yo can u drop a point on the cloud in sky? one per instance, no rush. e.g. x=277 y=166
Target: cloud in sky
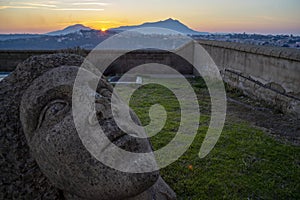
x=54 y=5
x=39 y=5
x=91 y=3
x=18 y=7
x=79 y=9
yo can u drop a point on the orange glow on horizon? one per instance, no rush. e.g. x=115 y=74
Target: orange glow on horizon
x=101 y=26
x=208 y=25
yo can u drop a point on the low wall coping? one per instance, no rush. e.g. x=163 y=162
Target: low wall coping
x=277 y=52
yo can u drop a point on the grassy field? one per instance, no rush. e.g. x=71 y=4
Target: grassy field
x=246 y=163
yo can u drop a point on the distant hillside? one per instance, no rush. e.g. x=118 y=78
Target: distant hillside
x=4 y=37
x=70 y=29
x=79 y=35
x=168 y=24
x=83 y=39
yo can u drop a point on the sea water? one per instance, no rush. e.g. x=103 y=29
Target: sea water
x=3 y=75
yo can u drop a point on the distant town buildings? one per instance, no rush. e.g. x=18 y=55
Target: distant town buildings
x=290 y=41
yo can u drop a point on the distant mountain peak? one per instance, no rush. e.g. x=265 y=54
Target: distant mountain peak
x=169 y=23
x=171 y=19
x=70 y=29
x=76 y=26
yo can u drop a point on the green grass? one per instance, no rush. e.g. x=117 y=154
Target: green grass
x=245 y=164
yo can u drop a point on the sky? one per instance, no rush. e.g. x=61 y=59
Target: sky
x=225 y=16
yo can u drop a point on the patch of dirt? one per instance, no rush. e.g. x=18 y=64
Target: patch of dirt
x=284 y=128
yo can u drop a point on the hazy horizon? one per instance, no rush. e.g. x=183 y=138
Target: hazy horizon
x=297 y=34
x=232 y=16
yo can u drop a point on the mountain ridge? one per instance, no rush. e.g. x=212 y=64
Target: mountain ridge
x=70 y=29
x=170 y=23
x=82 y=36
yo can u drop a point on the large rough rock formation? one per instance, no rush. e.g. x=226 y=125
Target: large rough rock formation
x=51 y=162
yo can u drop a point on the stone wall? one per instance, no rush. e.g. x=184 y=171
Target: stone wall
x=9 y=59
x=271 y=74
x=150 y=59
x=266 y=73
